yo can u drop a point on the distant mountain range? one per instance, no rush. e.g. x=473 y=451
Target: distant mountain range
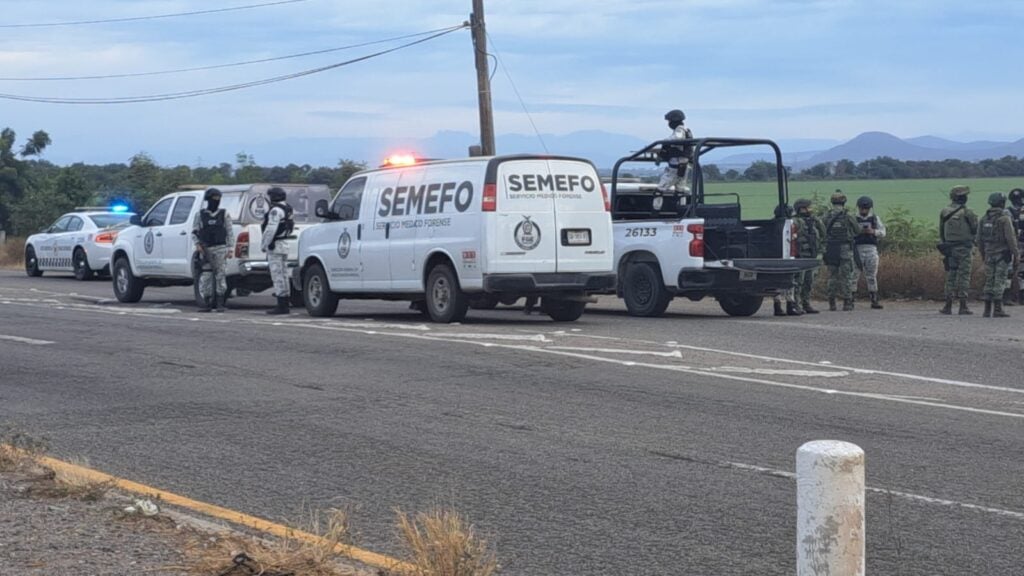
x=603 y=148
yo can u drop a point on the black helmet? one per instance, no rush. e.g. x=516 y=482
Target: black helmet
x=865 y=202
x=997 y=200
x=211 y=194
x=675 y=116
x=802 y=204
x=276 y=194
x=1017 y=196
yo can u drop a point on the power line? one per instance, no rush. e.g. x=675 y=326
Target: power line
x=497 y=57
x=219 y=66
x=220 y=89
x=153 y=17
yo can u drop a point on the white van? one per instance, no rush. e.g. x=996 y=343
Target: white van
x=453 y=234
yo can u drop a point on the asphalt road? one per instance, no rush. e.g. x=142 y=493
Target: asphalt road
x=609 y=446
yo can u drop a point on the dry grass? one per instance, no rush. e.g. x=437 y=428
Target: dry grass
x=289 y=555
x=18 y=455
x=12 y=253
x=18 y=450
x=442 y=543
x=909 y=277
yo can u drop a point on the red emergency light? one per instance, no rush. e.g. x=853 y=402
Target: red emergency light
x=399 y=160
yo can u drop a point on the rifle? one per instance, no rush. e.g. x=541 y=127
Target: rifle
x=943 y=247
x=204 y=266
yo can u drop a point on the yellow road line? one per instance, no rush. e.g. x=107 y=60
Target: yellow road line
x=364 y=556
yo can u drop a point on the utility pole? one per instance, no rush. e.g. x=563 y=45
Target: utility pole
x=483 y=78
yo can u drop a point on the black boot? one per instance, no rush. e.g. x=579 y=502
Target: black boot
x=948 y=308
x=281 y=308
x=988 y=309
x=848 y=305
x=1008 y=298
x=875 y=304
x=831 y=303
x=808 y=309
x=221 y=304
x=793 y=310
x=998 y=312
x=964 y=310
x=778 y=309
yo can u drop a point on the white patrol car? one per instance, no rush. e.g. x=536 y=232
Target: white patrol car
x=450 y=234
x=78 y=242
x=159 y=249
x=694 y=244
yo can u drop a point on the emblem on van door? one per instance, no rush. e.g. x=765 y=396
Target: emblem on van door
x=258 y=207
x=344 y=244
x=527 y=234
x=147 y=242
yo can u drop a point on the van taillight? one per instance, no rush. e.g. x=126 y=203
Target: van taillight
x=490 y=203
x=697 y=244
x=242 y=245
x=607 y=202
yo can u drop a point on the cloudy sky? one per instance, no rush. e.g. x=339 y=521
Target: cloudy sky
x=784 y=69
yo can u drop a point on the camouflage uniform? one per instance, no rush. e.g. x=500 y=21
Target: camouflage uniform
x=277 y=229
x=958 y=227
x=998 y=245
x=213 y=284
x=840 y=229
x=866 y=245
x=675 y=178
x=810 y=237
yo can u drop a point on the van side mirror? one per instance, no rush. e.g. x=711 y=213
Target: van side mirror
x=323 y=211
x=135 y=220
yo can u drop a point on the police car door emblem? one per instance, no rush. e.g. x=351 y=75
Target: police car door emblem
x=527 y=234
x=258 y=207
x=344 y=244
x=148 y=242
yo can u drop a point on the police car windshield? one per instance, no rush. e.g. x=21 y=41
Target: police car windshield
x=108 y=220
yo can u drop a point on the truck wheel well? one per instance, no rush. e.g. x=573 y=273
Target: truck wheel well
x=118 y=254
x=435 y=259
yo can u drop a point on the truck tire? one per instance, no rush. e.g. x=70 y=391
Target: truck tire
x=740 y=305
x=31 y=263
x=562 y=310
x=644 y=292
x=446 y=302
x=317 y=295
x=128 y=287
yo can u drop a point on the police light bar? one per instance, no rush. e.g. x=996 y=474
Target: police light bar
x=399 y=160
x=119 y=208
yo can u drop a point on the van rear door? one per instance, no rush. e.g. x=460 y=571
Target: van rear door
x=584 y=242
x=522 y=234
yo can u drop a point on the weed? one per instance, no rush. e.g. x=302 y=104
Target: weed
x=12 y=253
x=442 y=543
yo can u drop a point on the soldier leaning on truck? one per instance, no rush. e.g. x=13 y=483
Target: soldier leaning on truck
x=277 y=227
x=997 y=242
x=958 y=226
x=214 y=237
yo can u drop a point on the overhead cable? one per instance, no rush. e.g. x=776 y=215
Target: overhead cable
x=153 y=17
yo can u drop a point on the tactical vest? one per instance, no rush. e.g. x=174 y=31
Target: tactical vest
x=957 y=229
x=872 y=222
x=987 y=234
x=836 y=230
x=808 y=243
x=211 y=228
x=1015 y=218
x=287 y=224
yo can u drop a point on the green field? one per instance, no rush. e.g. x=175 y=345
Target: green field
x=923 y=198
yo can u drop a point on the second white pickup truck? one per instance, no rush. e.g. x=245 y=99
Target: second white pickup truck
x=159 y=250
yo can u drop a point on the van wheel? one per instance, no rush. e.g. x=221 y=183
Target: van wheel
x=81 y=265
x=319 y=299
x=562 y=310
x=740 y=305
x=446 y=302
x=487 y=302
x=644 y=292
x=31 y=263
x=128 y=287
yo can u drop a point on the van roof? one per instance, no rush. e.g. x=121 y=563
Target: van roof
x=491 y=161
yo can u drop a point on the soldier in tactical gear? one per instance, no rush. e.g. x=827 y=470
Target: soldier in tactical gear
x=674 y=178
x=958 y=226
x=1016 y=209
x=277 y=228
x=998 y=245
x=214 y=237
x=871 y=229
x=809 y=240
x=840 y=230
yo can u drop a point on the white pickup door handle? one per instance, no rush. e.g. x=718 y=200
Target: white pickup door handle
x=159 y=234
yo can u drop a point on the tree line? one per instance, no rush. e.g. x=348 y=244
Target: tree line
x=881 y=168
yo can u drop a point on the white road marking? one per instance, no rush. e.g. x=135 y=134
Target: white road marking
x=31 y=341
x=672 y=354
x=779 y=372
x=483 y=336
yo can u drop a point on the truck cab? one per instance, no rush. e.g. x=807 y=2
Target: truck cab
x=699 y=242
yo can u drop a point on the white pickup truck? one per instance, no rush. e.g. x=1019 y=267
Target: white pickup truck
x=697 y=244
x=158 y=248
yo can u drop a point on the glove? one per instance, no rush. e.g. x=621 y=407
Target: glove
x=271 y=246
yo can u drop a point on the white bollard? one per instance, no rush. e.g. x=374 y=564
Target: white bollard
x=830 y=509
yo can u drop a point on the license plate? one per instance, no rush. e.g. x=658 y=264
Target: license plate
x=748 y=275
x=577 y=237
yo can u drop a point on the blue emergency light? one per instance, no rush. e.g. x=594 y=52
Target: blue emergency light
x=119 y=208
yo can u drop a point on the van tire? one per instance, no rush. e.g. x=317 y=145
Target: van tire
x=317 y=296
x=446 y=302
x=128 y=287
x=562 y=310
x=740 y=304
x=644 y=292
